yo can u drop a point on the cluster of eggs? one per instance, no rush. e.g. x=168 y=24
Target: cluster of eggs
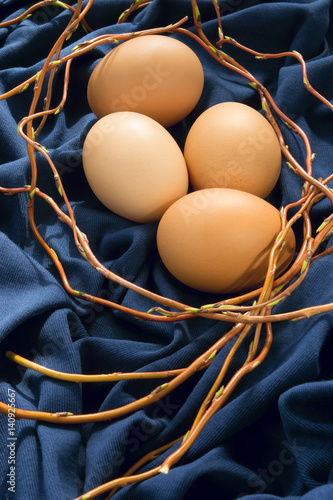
x=218 y=237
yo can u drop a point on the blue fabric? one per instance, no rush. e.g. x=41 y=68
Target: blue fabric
x=273 y=439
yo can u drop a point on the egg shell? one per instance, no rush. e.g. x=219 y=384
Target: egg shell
x=218 y=240
x=155 y=75
x=134 y=166
x=232 y=145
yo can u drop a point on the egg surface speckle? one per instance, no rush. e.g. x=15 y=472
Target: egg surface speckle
x=232 y=145
x=155 y=75
x=218 y=240
x=134 y=166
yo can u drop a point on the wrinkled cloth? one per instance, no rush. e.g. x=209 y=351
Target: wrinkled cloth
x=273 y=439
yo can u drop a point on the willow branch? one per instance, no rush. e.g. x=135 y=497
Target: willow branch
x=80 y=378
x=68 y=418
x=220 y=398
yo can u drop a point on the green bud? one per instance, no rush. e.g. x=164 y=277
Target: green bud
x=211 y=357
x=219 y=392
x=121 y=17
x=304 y=266
x=54 y=253
x=22 y=89
x=86 y=497
x=288 y=126
x=186 y=436
x=84 y=28
x=274 y=303
x=197 y=13
x=59 y=190
x=290 y=166
x=322 y=226
x=18 y=127
x=213 y=49
x=43 y=148
x=263 y=106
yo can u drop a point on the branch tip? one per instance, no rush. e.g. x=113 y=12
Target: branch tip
x=60 y=4
x=164 y=470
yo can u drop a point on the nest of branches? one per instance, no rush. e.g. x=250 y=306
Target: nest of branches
x=250 y=315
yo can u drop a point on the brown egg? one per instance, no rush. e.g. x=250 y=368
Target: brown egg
x=219 y=240
x=134 y=166
x=232 y=145
x=155 y=75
